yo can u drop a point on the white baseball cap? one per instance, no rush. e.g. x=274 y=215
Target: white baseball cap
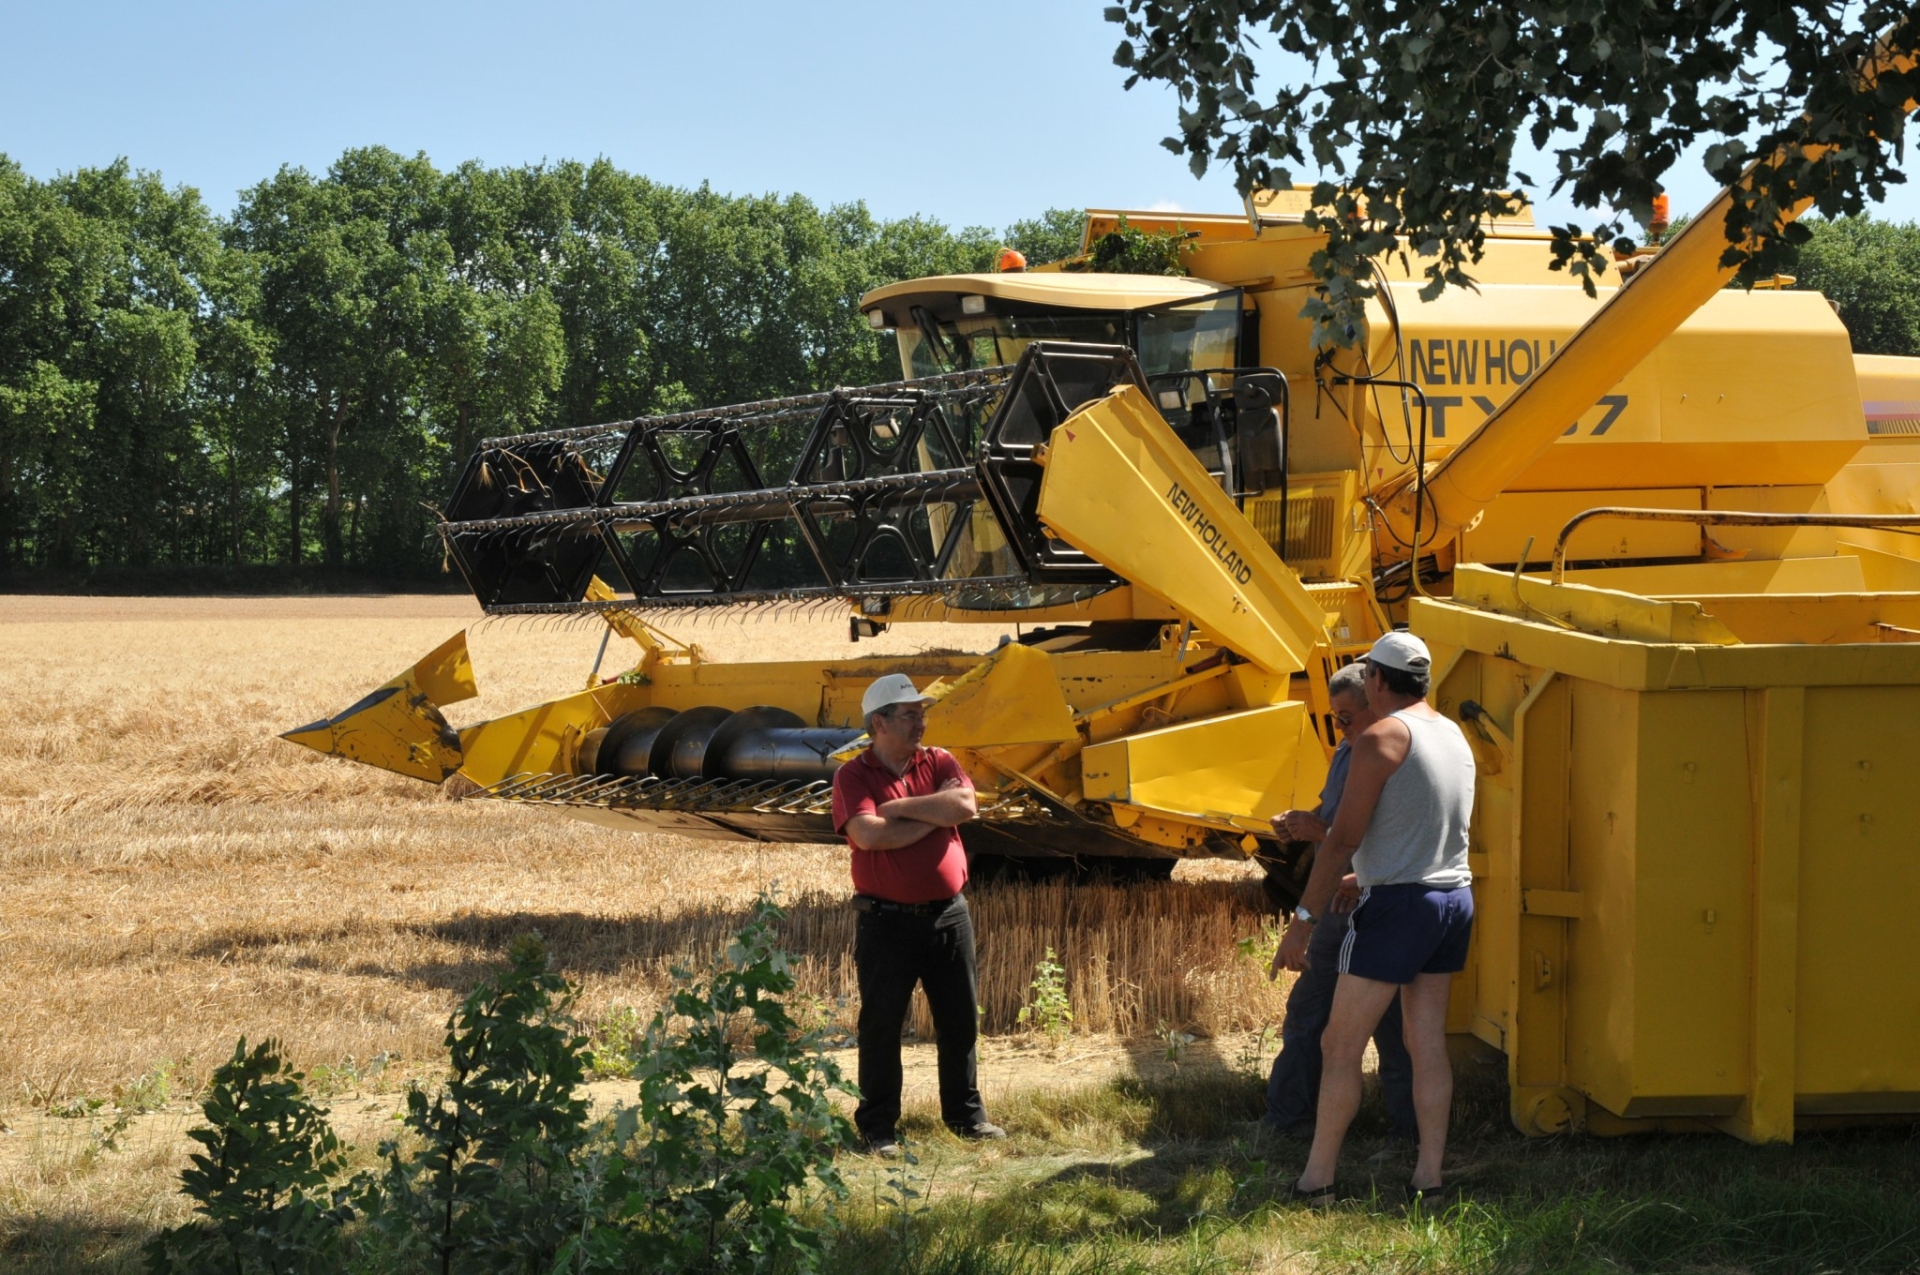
x=1403 y=651
x=885 y=692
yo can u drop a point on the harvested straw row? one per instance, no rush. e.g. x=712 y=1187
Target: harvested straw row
x=1134 y=958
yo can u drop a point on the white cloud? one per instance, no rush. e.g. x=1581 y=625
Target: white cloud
x=1165 y=206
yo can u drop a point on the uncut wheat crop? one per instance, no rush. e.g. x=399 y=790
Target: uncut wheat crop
x=175 y=876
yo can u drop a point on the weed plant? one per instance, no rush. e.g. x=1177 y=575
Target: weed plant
x=263 y=1178
x=1048 y=1011
x=501 y=1168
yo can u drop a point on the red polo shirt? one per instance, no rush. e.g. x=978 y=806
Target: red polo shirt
x=934 y=867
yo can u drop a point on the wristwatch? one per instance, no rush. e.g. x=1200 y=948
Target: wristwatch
x=1300 y=913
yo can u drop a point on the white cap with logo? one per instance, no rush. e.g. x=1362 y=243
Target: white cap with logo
x=1403 y=651
x=885 y=692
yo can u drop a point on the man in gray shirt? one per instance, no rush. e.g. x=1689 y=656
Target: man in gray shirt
x=1402 y=824
x=1293 y=1087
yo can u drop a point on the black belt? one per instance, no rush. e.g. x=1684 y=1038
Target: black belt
x=867 y=903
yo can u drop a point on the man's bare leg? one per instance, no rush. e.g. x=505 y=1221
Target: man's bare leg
x=1423 y=1006
x=1358 y=1004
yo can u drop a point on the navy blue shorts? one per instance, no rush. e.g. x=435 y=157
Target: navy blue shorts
x=1400 y=931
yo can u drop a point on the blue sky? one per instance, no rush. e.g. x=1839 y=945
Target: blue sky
x=977 y=113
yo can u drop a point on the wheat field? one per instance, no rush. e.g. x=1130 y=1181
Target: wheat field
x=175 y=876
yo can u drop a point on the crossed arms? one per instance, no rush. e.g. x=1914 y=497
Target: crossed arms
x=899 y=823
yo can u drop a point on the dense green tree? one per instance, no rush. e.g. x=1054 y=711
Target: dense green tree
x=1054 y=235
x=352 y=270
x=1870 y=270
x=100 y=318
x=301 y=381
x=1411 y=113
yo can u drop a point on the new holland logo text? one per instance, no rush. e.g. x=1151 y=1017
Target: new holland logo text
x=1210 y=535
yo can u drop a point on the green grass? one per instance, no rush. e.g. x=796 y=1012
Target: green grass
x=1165 y=1177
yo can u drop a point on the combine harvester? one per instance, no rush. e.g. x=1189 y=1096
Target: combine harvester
x=1660 y=542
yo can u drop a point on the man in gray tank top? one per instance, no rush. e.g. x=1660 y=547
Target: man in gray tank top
x=1402 y=824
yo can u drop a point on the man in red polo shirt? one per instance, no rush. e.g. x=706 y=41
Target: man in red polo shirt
x=900 y=807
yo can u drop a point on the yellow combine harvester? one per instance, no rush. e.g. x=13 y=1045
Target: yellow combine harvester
x=1694 y=842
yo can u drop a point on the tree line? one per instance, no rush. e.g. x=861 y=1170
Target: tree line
x=298 y=382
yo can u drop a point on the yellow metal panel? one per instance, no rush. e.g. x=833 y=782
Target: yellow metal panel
x=1883 y=479
x=1293 y=204
x=445 y=674
x=1503 y=530
x=1709 y=579
x=1121 y=487
x=1326 y=536
x=1615 y=663
x=1010 y=698
x=1206 y=227
x=1766 y=1115
x=1115 y=604
x=1750 y=462
x=1566 y=904
x=1892 y=383
x=1685 y=277
x=1243 y=767
x=532 y=741
x=1820 y=619
x=399 y=726
x=1456 y=680
x=1602 y=958
x=1884 y=572
x=1682 y=849
x=823 y=692
x=1722 y=837
x=1761 y=367
x=1537 y=857
x=1592 y=609
x=1254 y=689
x=1858 y=1019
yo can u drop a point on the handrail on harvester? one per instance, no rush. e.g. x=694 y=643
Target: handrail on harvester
x=1719 y=518
x=1648 y=306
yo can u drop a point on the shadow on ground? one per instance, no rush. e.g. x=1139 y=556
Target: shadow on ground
x=68 y=1242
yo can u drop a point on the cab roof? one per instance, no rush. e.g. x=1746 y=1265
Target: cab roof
x=940 y=294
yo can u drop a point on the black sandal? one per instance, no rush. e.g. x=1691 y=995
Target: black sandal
x=1321 y=1197
x=1429 y=1197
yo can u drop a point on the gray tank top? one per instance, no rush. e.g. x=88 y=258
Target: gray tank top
x=1418 y=833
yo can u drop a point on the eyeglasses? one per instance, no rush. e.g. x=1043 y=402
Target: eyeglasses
x=1345 y=719
x=909 y=715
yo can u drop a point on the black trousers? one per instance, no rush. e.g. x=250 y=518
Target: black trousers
x=892 y=951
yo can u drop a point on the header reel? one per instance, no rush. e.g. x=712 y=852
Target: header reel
x=914 y=487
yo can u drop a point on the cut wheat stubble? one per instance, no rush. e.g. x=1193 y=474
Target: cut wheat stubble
x=175 y=876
